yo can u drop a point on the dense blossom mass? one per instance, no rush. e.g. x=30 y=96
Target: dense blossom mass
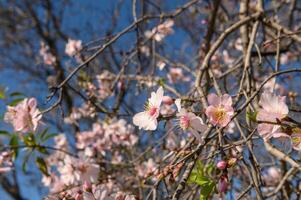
x=132 y=100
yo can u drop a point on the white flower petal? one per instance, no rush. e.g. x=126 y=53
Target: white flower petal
x=144 y=121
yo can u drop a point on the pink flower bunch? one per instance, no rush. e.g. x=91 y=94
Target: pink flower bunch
x=273 y=109
x=105 y=191
x=147 y=168
x=85 y=111
x=24 y=116
x=220 y=109
x=147 y=119
x=176 y=74
x=104 y=136
x=48 y=57
x=73 y=47
x=161 y=31
x=104 y=83
x=77 y=170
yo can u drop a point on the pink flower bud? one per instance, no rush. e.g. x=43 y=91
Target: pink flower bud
x=87 y=186
x=222 y=184
x=221 y=165
x=167 y=100
x=78 y=196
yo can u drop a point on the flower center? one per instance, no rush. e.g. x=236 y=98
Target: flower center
x=152 y=111
x=220 y=114
x=184 y=122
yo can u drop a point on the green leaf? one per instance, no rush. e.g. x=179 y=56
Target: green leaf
x=2 y=94
x=14 y=94
x=206 y=190
x=199 y=167
x=47 y=137
x=251 y=116
x=15 y=101
x=199 y=176
x=161 y=81
x=29 y=140
x=41 y=164
x=42 y=150
x=26 y=158
x=209 y=169
x=14 y=142
x=42 y=134
x=6 y=133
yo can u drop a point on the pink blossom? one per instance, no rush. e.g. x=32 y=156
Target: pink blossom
x=78 y=196
x=147 y=168
x=227 y=58
x=48 y=57
x=161 y=31
x=73 y=47
x=176 y=74
x=105 y=81
x=73 y=170
x=24 y=116
x=147 y=119
x=220 y=109
x=238 y=44
x=6 y=163
x=273 y=108
x=87 y=186
x=188 y=121
x=272 y=86
x=161 y=64
x=145 y=50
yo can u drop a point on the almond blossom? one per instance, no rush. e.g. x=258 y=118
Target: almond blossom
x=73 y=47
x=147 y=119
x=24 y=116
x=147 y=168
x=188 y=121
x=161 y=64
x=273 y=109
x=220 y=109
x=48 y=57
x=176 y=74
x=73 y=170
x=161 y=31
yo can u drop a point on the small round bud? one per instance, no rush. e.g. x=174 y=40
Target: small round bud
x=167 y=100
x=221 y=165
